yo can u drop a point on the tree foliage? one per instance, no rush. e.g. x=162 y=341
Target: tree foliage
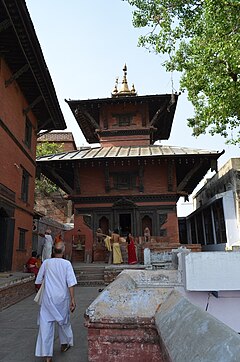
x=201 y=39
x=43 y=184
x=48 y=148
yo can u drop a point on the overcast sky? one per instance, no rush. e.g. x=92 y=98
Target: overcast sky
x=86 y=44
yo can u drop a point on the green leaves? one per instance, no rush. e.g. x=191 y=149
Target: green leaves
x=48 y=148
x=43 y=184
x=202 y=40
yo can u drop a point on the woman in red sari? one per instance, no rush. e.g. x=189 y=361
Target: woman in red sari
x=32 y=264
x=132 y=258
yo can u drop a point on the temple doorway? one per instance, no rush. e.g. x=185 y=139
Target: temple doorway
x=146 y=223
x=104 y=225
x=125 y=224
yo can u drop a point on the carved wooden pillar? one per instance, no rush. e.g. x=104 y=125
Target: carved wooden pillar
x=140 y=175
x=107 y=179
x=170 y=175
x=76 y=179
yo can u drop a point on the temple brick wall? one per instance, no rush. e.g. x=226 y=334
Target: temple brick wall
x=92 y=179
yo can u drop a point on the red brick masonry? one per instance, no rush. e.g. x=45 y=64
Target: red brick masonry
x=125 y=342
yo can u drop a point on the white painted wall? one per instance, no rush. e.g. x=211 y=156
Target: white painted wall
x=211 y=271
x=229 y=207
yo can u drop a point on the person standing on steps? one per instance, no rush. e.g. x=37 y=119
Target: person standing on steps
x=117 y=255
x=57 y=303
x=47 y=244
x=132 y=257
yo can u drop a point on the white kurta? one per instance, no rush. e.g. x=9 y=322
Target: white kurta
x=47 y=247
x=59 y=276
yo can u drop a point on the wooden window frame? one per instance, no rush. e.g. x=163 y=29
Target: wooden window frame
x=28 y=133
x=25 y=185
x=22 y=239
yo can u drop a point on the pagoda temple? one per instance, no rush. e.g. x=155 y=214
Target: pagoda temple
x=128 y=182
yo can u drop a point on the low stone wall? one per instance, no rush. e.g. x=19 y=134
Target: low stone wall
x=14 y=291
x=191 y=334
x=112 y=271
x=156 y=254
x=110 y=275
x=121 y=322
x=142 y=317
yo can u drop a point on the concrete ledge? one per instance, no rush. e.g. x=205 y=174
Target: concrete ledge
x=191 y=334
x=131 y=297
x=112 y=271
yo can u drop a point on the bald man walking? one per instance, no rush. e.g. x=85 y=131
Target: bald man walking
x=57 y=302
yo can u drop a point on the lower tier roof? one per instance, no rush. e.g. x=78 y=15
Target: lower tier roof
x=191 y=165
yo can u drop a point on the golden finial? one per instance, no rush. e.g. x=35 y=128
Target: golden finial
x=124 y=91
x=115 y=90
x=124 y=88
x=133 y=89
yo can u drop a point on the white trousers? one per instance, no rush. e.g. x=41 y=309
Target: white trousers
x=45 y=339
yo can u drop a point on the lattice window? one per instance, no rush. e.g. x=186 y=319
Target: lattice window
x=123 y=120
x=124 y=181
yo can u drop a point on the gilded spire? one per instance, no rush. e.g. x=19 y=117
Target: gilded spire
x=124 y=91
x=124 y=88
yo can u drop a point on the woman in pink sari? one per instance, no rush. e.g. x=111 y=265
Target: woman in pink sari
x=132 y=258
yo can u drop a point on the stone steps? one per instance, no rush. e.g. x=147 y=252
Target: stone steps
x=90 y=275
x=90 y=283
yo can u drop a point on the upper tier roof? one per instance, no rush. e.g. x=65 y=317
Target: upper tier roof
x=161 y=110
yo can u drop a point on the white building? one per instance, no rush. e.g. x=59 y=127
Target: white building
x=215 y=223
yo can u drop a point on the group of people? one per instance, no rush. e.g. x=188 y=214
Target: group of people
x=113 y=244
x=58 y=278
x=34 y=262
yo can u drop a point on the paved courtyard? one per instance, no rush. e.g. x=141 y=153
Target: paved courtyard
x=18 y=330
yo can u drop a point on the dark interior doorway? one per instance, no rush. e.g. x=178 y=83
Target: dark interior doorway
x=125 y=224
x=146 y=222
x=6 y=241
x=104 y=225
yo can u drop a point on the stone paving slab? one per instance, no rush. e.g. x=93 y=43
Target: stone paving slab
x=19 y=330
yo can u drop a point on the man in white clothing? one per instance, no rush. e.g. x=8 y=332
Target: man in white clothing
x=47 y=244
x=57 y=302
